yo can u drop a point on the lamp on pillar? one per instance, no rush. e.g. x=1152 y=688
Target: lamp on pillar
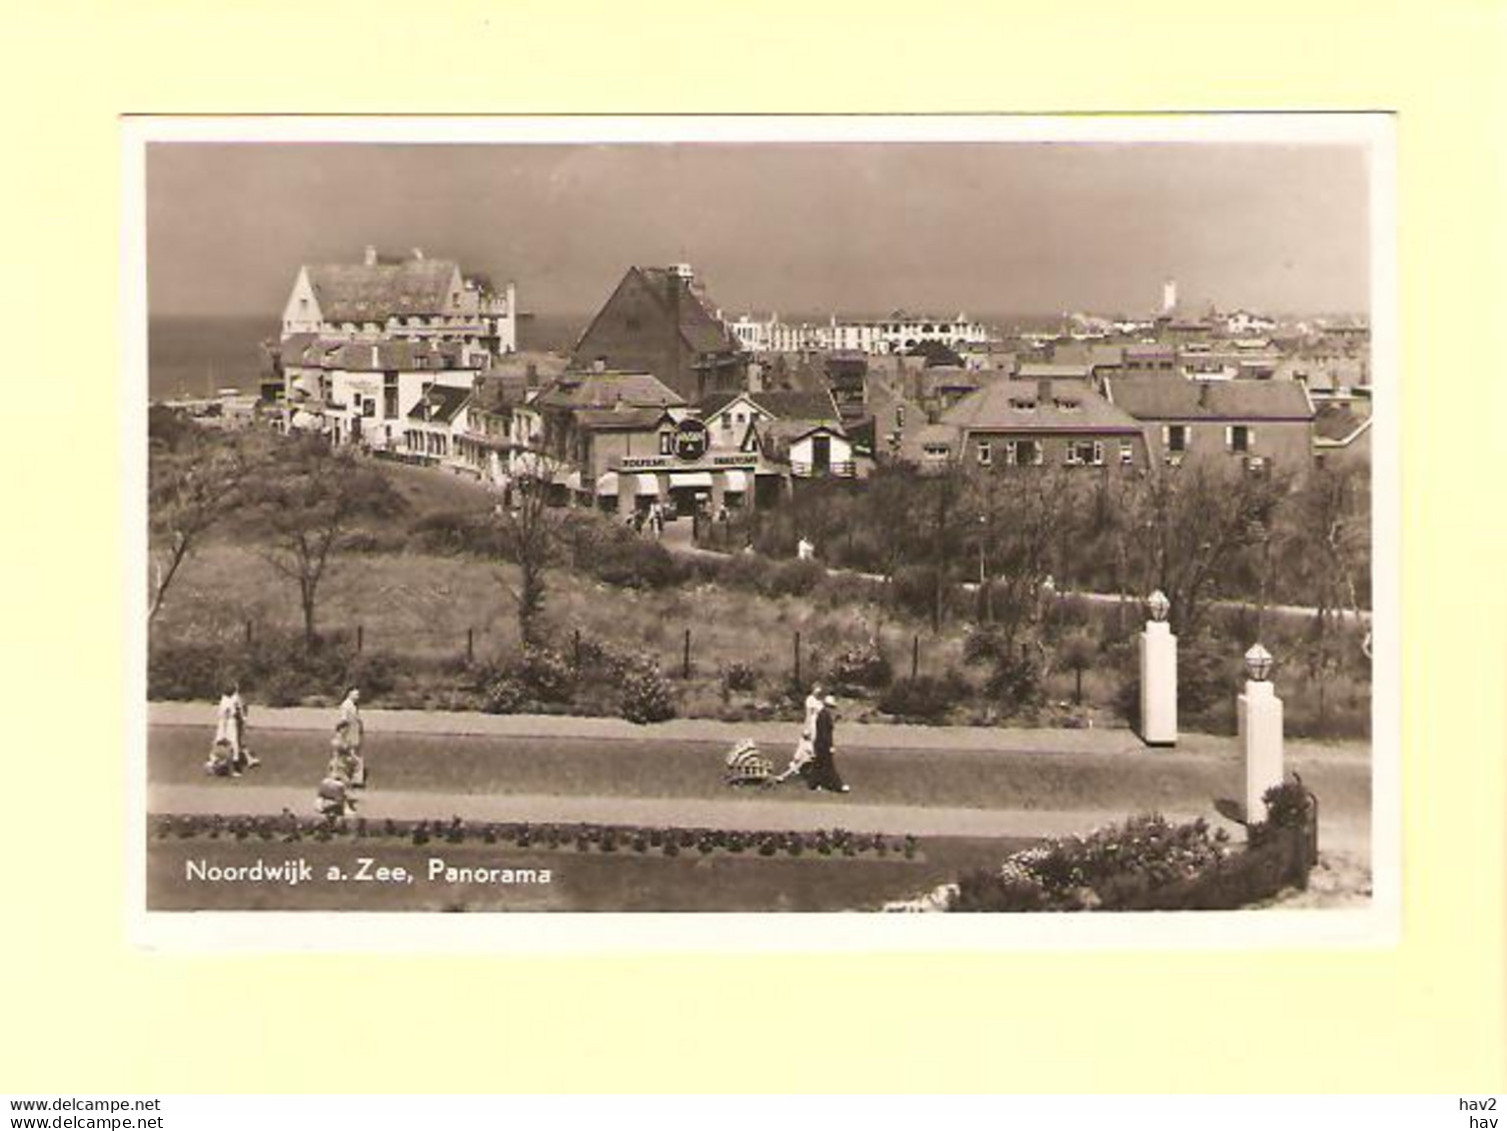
x=1259 y=712
x=1158 y=675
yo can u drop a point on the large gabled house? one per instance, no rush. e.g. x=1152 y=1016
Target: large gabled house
x=1254 y=424
x=659 y=320
x=1042 y=423
x=415 y=298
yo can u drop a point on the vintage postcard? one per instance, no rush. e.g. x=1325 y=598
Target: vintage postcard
x=763 y=531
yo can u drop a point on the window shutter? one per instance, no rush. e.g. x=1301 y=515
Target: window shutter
x=1166 y=435
x=1098 y=452
x=1250 y=439
x=1229 y=437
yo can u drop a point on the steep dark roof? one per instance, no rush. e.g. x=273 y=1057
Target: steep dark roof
x=361 y=292
x=439 y=404
x=702 y=330
x=1162 y=398
x=1072 y=406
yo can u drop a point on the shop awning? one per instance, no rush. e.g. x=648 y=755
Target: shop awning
x=735 y=480
x=646 y=484
x=607 y=484
x=691 y=479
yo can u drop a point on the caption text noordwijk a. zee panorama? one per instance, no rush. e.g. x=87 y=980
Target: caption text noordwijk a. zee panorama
x=295 y=870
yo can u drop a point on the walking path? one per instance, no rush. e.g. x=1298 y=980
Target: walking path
x=681 y=544
x=889 y=736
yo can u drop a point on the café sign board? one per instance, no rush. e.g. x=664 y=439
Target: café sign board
x=690 y=440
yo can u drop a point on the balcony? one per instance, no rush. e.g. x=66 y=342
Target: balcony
x=837 y=469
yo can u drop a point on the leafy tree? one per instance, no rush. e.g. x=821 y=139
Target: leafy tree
x=304 y=499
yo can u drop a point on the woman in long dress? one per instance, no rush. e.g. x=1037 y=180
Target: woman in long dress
x=804 y=748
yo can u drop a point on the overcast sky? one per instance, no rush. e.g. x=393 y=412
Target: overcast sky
x=986 y=228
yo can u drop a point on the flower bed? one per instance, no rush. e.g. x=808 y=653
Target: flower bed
x=1149 y=864
x=666 y=841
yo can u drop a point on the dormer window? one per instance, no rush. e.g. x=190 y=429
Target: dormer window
x=1068 y=404
x=1021 y=404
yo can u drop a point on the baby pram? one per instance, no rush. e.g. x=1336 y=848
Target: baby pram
x=746 y=766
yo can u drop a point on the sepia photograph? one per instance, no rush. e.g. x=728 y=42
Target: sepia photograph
x=912 y=517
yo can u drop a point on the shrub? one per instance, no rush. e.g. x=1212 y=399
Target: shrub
x=506 y=696
x=739 y=676
x=1016 y=681
x=1112 y=868
x=925 y=697
x=795 y=578
x=452 y=532
x=544 y=674
x=646 y=695
x=983 y=645
x=861 y=665
x=186 y=671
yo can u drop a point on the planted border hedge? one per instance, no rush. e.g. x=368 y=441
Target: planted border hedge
x=665 y=840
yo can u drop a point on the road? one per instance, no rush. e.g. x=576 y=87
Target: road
x=655 y=780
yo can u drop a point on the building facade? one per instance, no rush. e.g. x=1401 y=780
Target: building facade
x=1256 y=425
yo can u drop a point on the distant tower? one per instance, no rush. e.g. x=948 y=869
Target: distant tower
x=1169 y=296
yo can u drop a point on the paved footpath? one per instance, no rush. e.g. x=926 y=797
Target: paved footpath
x=885 y=736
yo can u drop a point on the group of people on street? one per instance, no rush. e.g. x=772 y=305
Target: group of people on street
x=230 y=755
x=347 y=769
x=814 y=760
x=653 y=519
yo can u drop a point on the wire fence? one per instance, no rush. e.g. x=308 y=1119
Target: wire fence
x=686 y=653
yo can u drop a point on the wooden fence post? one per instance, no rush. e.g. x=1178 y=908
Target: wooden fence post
x=685 y=663
x=915 y=655
x=575 y=649
x=797 y=659
x=248 y=631
x=360 y=637
x=470 y=645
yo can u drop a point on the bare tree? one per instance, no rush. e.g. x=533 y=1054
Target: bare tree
x=527 y=536
x=195 y=479
x=1195 y=520
x=1024 y=510
x=307 y=497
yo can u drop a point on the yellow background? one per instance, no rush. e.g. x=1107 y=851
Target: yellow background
x=81 y=1011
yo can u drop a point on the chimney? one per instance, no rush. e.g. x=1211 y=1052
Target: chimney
x=1043 y=390
x=371 y=255
x=418 y=253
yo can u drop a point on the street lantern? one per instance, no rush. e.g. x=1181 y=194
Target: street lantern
x=1258 y=663
x=1158 y=605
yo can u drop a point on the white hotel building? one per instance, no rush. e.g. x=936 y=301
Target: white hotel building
x=894 y=334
